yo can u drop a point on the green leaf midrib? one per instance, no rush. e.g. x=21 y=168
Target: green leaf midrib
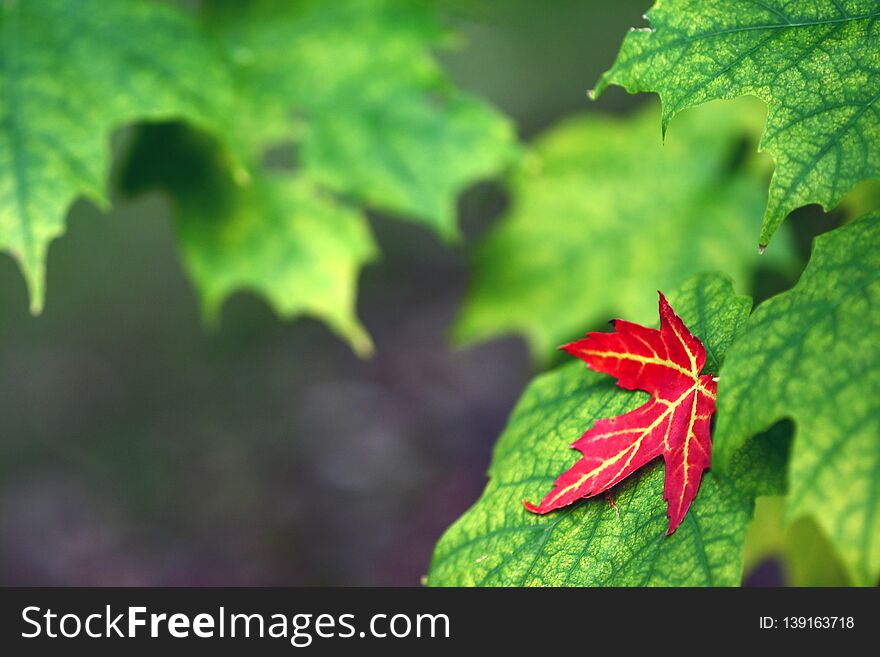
x=547 y=534
x=813 y=114
x=775 y=32
x=701 y=549
x=652 y=560
x=772 y=26
x=775 y=27
x=683 y=101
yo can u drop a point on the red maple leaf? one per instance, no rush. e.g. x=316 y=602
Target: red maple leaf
x=674 y=423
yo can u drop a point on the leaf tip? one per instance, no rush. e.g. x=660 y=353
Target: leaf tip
x=357 y=337
x=36 y=305
x=35 y=281
x=674 y=522
x=211 y=313
x=665 y=308
x=761 y=249
x=363 y=346
x=572 y=347
x=594 y=93
x=531 y=507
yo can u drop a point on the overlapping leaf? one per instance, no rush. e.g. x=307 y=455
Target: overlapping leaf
x=816 y=63
x=497 y=542
x=601 y=211
x=70 y=73
x=812 y=354
x=667 y=364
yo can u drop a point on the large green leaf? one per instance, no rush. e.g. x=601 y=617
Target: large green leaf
x=497 y=542
x=70 y=73
x=272 y=234
x=814 y=62
x=813 y=354
x=603 y=215
x=375 y=116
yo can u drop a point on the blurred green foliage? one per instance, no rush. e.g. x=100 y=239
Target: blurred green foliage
x=71 y=74
x=603 y=214
x=352 y=85
x=275 y=235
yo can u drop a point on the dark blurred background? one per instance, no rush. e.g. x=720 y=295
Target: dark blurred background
x=139 y=448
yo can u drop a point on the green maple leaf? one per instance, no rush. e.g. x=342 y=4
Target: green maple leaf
x=272 y=234
x=71 y=73
x=497 y=542
x=355 y=85
x=813 y=62
x=812 y=354
x=603 y=214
